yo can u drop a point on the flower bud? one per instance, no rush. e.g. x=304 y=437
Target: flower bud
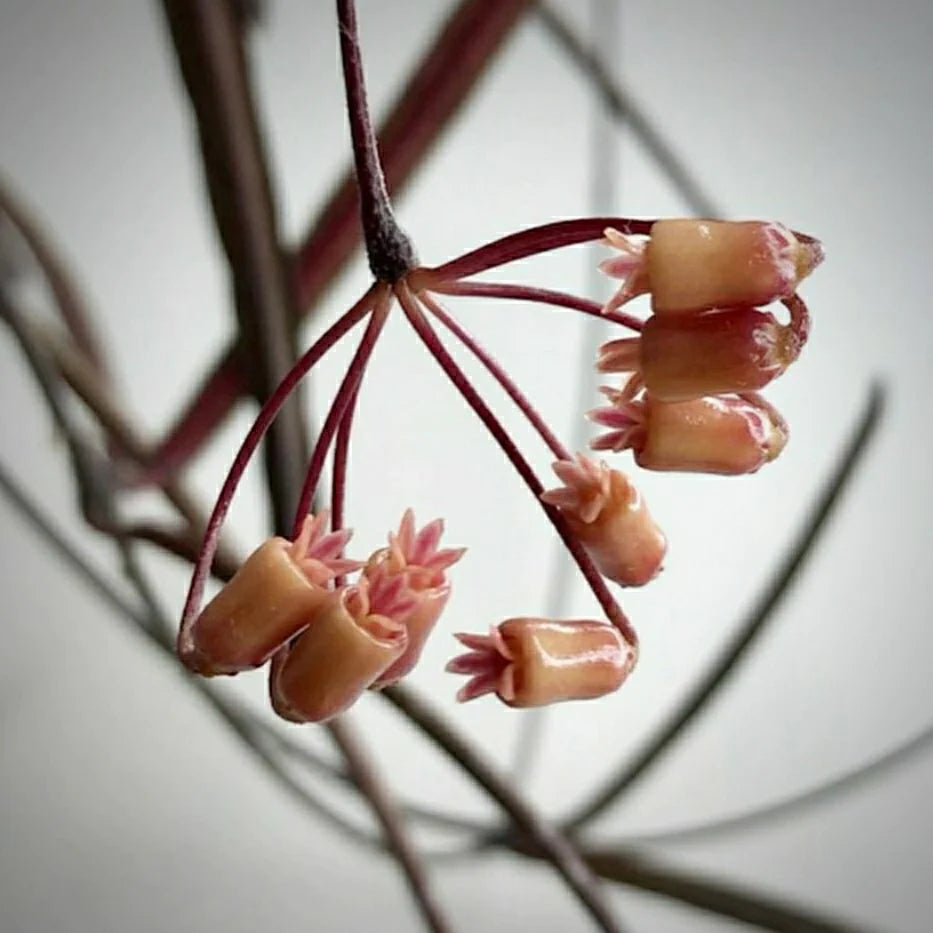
x=717 y=352
x=532 y=662
x=701 y=264
x=607 y=514
x=697 y=265
x=273 y=596
x=333 y=661
x=729 y=435
x=414 y=556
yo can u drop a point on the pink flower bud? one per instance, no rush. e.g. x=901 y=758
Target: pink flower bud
x=272 y=597
x=682 y=357
x=606 y=512
x=696 y=265
x=724 y=434
x=334 y=660
x=414 y=556
x=532 y=662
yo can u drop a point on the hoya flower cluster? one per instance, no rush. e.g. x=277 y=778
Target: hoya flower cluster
x=689 y=402
x=327 y=640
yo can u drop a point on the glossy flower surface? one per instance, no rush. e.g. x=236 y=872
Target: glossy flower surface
x=728 y=434
x=533 y=662
x=683 y=357
x=273 y=596
x=696 y=265
x=608 y=515
x=355 y=637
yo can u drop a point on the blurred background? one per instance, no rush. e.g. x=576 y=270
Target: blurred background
x=125 y=805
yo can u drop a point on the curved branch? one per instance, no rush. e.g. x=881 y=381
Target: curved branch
x=550 y=843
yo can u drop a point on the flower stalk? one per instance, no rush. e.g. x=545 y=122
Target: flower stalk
x=389 y=250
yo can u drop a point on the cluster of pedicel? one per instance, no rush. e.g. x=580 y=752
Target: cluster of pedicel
x=689 y=403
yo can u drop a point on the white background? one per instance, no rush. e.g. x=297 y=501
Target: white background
x=125 y=805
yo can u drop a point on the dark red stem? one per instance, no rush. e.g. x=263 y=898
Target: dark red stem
x=341 y=458
x=338 y=485
x=345 y=393
x=531 y=242
x=501 y=376
x=596 y=583
x=263 y=420
x=540 y=295
x=389 y=250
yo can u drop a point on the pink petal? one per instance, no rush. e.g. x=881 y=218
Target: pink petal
x=561 y=498
x=340 y=566
x=476 y=662
x=445 y=558
x=476 y=642
x=330 y=545
x=406 y=533
x=477 y=687
x=611 y=440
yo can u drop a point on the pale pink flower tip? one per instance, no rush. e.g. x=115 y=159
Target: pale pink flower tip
x=417 y=566
x=605 y=511
x=419 y=551
x=488 y=663
x=586 y=489
x=319 y=554
x=630 y=265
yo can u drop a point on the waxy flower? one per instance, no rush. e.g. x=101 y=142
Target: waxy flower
x=729 y=434
x=329 y=641
x=274 y=595
x=608 y=515
x=680 y=357
x=695 y=265
x=532 y=662
x=414 y=557
x=356 y=635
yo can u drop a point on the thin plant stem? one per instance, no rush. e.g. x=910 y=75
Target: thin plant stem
x=531 y=242
x=501 y=376
x=596 y=583
x=540 y=295
x=338 y=492
x=556 y=848
x=265 y=417
x=386 y=811
x=737 y=648
x=342 y=400
x=66 y=296
x=388 y=249
x=714 y=896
